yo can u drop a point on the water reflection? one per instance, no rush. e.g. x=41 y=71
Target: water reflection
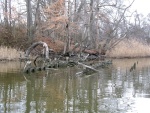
x=113 y=90
x=6 y=67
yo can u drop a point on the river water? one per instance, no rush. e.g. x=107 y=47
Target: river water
x=115 y=89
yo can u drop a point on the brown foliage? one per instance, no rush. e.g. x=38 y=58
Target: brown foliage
x=55 y=17
x=56 y=45
x=13 y=37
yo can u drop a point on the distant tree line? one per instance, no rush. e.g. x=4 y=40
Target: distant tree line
x=98 y=24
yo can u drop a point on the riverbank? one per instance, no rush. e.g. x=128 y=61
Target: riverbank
x=9 y=54
x=126 y=49
x=130 y=49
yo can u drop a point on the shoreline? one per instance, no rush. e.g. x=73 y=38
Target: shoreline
x=129 y=57
x=23 y=59
x=12 y=60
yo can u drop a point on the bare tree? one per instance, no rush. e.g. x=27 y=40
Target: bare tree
x=57 y=22
x=6 y=13
x=29 y=19
x=114 y=19
x=88 y=22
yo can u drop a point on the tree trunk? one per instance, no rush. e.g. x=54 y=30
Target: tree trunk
x=37 y=18
x=29 y=19
x=6 y=13
x=90 y=22
x=10 y=13
x=67 y=30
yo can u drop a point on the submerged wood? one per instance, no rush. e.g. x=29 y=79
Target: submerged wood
x=94 y=67
x=57 y=63
x=133 y=67
x=89 y=67
x=102 y=64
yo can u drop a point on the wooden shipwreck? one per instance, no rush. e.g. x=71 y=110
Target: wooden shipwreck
x=47 y=58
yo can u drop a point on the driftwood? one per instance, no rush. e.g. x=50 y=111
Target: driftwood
x=57 y=63
x=28 y=67
x=87 y=70
x=35 y=45
x=89 y=67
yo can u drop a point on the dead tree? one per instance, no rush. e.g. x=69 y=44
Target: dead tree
x=34 y=45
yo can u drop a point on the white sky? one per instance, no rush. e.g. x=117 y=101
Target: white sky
x=142 y=6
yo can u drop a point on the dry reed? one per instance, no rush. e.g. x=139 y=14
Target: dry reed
x=7 y=53
x=130 y=49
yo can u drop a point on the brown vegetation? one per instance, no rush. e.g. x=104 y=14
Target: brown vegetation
x=125 y=49
x=87 y=22
x=7 y=53
x=130 y=49
x=14 y=37
x=56 y=45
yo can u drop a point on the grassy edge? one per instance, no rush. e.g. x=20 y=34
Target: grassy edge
x=130 y=49
x=126 y=49
x=9 y=54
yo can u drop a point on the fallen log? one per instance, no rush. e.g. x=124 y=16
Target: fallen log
x=57 y=63
x=46 y=52
x=88 y=70
x=88 y=67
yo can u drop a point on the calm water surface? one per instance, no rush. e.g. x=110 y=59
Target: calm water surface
x=113 y=90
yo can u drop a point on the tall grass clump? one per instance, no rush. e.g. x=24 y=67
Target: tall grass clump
x=7 y=53
x=129 y=49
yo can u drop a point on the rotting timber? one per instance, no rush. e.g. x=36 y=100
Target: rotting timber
x=47 y=59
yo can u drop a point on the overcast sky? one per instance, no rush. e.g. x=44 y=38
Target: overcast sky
x=142 y=6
